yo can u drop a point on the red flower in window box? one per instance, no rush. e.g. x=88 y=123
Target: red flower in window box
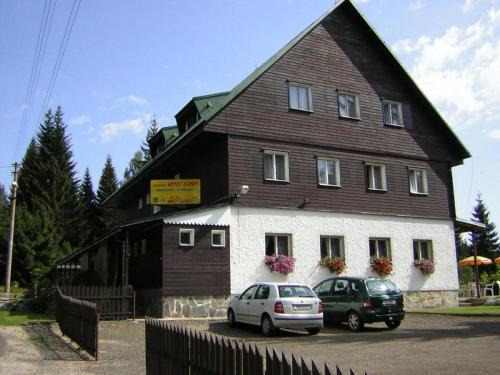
x=335 y=264
x=381 y=266
x=280 y=263
x=426 y=266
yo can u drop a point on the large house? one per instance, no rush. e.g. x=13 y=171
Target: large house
x=327 y=149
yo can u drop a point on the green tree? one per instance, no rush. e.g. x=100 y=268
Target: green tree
x=486 y=240
x=29 y=180
x=89 y=212
x=152 y=130
x=108 y=184
x=463 y=250
x=134 y=165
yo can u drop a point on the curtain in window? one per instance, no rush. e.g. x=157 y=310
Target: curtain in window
x=394 y=114
x=377 y=177
x=294 y=97
x=387 y=112
x=268 y=167
x=322 y=172
x=351 y=105
x=280 y=167
x=419 y=177
x=270 y=250
x=331 y=172
x=343 y=106
x=382 y=248
x=324 y=247
x=335 y=249
x=303 y=98
x=282 y=242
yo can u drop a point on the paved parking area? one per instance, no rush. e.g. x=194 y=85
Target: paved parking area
x=423 y=344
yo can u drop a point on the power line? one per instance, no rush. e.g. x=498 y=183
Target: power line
x=43 y=33
x=60 y=56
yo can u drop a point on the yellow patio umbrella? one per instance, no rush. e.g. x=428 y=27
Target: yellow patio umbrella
x=497 y=260
x=481 y=261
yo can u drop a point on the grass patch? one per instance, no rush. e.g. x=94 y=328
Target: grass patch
x=466 y=310
x=8 y=318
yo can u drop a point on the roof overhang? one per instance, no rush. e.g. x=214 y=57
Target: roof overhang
x=464 y=225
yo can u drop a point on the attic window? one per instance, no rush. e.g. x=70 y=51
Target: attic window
x=393 y=114
x=348 y=105
x=300 y=97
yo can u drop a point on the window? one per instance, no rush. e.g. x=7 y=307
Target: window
x=418 y=181
x=275 y=165
x=328 y=172
x=393 y=114
x=218 y=238
x=375 y=177
x=147 y=199
x=156 y=209
x=341 y=287
x=332 y=246
x=248 y=294
x=300 y=97
x=186 y=237
x=139 y=205
x=262 y=292
x=324 y=288
x=380 y=248
x=422 y=249
x=278 y=244
x=348 y=105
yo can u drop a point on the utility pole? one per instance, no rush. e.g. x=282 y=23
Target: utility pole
x=11 y=229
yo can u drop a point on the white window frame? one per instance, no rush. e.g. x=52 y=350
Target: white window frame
x=417 y=255
x=329 y=246
x=140 y=205
x=191 y=236
x=413 y=183
x=399 y=110
x=274 y=153
x=275 y=239
x=357 y=115
x=156 y=209
x=377 y=250
x=147 y=199
x=223 y=237
x=370 y=176
x=295 y=85
x=336 y=181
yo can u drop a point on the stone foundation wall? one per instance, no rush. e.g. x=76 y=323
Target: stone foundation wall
x=195 y=307
x=434 y=298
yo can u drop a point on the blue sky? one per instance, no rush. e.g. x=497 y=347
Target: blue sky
x=127 y=60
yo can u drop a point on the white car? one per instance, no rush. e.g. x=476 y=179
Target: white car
x=277 y=305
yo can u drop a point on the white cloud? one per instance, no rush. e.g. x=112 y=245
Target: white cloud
x=80 y=120
x=467 y=5
x=494 y=134
x=416 y=5
x=114 y=129
x=459 y=70
x=133 y=99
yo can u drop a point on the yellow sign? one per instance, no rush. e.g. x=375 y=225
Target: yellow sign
x=175 y=191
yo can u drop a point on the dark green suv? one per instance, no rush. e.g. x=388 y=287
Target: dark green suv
x=358 y=301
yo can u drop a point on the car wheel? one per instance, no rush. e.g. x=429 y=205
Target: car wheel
x=354 y=321
x=267 y=326
x=313 y=331
x=231 y=319
x=392 y=324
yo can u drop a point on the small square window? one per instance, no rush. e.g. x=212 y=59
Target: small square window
x=422 y=249
x=332 y=246
x=279 y=244
x=300 y=97
x=218 y=238
x=375 y=177
x=328 y=172
x=186 y=237
x=348 y=105
x=418 y=181
x=393 y=114
x=380 y=248
x=276 y=166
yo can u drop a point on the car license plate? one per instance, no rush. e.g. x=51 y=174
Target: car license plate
x=389 y=302
x=301 y=307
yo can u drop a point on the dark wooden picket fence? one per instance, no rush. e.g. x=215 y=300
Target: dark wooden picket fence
x=113 y=302
x=171 y=349
x=79 y=320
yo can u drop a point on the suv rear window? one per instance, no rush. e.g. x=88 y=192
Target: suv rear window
x=295 y=291
x=381 y=287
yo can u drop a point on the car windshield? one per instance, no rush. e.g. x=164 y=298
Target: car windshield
x=295 y=291
x=381 y=287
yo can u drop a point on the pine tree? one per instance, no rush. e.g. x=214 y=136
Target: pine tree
x=89 y=213
x=29 y=185
x=153 y=129
x=134 y=165
x=108 y=184
x=486 y=240
x=4 y=230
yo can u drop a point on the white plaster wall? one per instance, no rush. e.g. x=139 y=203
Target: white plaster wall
x=249 y=226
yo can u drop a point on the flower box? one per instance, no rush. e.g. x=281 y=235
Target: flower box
x=381 y=266
x=335 y=264
x=426 y=266
x=280 y=263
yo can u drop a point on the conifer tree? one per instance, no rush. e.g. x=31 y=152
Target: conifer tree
x=29 y=187
x=88 y=206
x=108 y=184
x=134 y=165
x=486 y=240
x=153 y=129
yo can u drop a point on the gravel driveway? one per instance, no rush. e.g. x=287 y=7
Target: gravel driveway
x=424 y=344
